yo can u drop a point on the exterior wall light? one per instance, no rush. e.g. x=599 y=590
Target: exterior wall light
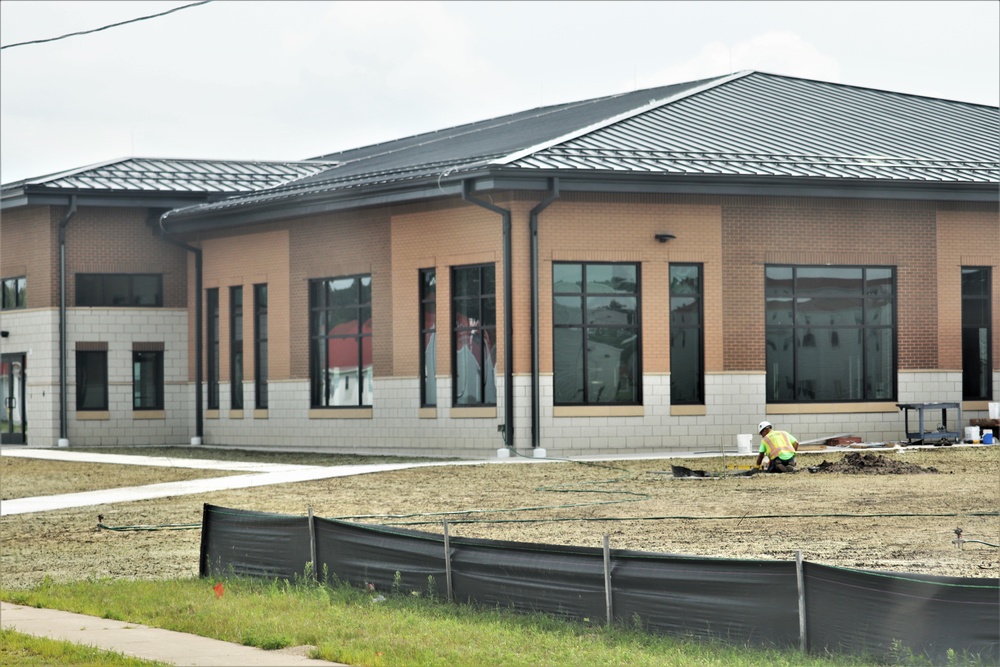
x=663 y=238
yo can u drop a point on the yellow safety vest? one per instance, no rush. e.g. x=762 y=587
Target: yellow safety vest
x=778 y=443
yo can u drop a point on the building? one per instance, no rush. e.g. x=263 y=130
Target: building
x=652 y=271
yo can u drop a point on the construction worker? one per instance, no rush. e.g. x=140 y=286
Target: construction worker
x=778 y=446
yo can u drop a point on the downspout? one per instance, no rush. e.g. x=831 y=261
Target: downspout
x=63 y=403
x=536 y=429
x=199 y=417
x=508 y=324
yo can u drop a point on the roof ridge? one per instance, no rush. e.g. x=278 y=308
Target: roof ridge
x=653 y=104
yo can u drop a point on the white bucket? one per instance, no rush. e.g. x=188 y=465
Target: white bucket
x=972 y=433
x=744 y=443
x=994 y=410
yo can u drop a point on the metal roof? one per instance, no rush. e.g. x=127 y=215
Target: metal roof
x=131 y=176
x=741 y=130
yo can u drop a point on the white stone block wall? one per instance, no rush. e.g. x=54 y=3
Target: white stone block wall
x=35 y=333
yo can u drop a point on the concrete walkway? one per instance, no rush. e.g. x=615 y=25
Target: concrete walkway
x=140 y=641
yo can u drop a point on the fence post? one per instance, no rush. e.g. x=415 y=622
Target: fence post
x=447 y=563
x=607 y=579
x=312 y=544
x=800 y=581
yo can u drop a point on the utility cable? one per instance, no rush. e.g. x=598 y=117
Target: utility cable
x=113 y=25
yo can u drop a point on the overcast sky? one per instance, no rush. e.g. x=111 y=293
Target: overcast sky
x=293 y=80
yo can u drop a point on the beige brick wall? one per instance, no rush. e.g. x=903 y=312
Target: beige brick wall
x=29 y=244
x=964 y=238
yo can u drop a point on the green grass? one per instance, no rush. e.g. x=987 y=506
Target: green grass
x=354 y=627
x=255 y=455
x=20 y=650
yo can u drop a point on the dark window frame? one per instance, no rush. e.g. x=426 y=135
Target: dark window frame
x=138 y=356
x=588 y=327
x=486 y=333
x=428 y=298
x=808 y=339
x=236 y=366
x=84 y=383
x=320 y=308
x=984 y=390
x=677 y=328
x=19 y=289
x=212 y=347
x=260 y=351
x=105 y=300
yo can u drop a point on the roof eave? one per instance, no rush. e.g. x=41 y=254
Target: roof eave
x=42 y=196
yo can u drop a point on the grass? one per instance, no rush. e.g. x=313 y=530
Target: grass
x=363 y=629
x=20 y=650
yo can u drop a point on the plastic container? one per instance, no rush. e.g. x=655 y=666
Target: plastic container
x=972 y=433
x=744 y=443
x=994 y=410
x=988 y=438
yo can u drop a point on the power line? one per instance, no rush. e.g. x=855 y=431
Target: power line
x=113 y=25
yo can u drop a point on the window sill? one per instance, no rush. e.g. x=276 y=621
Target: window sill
x=211 y=414
x=93 y=415
x=474 y=413
x=599 y=411
x=687 y=411
x=260 y=414
x=974 y=406
x=828 y=408
x=236 y=414
x=149 y=414
x=427 y=413
x=340 y=413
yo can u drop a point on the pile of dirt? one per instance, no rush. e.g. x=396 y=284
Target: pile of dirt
x=856 y=463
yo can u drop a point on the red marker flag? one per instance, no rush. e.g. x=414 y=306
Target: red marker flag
x=219 y=590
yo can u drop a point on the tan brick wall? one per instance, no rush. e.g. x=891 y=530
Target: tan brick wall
x=761 y=230
x=246 y=260
x=964 y=238
x=29 y=245
x=118 y=240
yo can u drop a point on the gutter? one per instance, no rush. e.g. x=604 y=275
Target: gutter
x=199 y=417
x=536 y=429
x=507 y=428
x=63 y=408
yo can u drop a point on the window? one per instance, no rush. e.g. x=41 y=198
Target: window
x=260 y=345
x=340 y=345
x=830 y=333
x=212 y=349
x=473 y=345
x=428 y=335
x=119 y=289
x=147 y=379
x=596 y=336
x=91 y=380
x=14 y=293
x=236 y=348
x=977 y=334
x=687 y=351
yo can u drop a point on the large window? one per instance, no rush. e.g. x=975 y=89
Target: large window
x=596 y=342
x=474 y=328
x=260 y=345
x=212 y=349
x=687 y=351
x=831 y=333
x=13 y=293
x=147 y=379
x=91 y=380
x=236 y=348
x=340 y=343
x=428 y=335
x=119 y=289
x=977 y=334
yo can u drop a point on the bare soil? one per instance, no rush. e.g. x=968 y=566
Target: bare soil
x=852 y=512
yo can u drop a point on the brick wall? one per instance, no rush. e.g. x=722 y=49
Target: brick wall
x=29 y=246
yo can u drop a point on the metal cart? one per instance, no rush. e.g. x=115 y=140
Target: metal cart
x=941 y=433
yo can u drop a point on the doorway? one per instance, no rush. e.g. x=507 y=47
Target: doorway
x=13 y=413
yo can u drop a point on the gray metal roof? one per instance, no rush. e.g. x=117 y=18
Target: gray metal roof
x=204 y=179
x=743 y=130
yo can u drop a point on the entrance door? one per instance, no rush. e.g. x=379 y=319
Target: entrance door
x=13 y=424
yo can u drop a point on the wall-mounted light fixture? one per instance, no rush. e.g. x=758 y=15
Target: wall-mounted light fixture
x=664 y=237
x=4 y=333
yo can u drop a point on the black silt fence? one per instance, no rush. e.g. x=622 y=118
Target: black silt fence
x=762 y=603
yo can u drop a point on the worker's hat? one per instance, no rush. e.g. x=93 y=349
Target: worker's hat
x=764 y=424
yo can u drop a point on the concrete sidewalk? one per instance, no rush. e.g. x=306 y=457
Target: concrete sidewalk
x=140 y=641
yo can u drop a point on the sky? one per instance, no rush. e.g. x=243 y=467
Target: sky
x=293 y=80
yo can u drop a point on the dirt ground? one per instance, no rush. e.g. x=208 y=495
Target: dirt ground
x=883 y=510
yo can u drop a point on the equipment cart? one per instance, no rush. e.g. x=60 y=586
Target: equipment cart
x=941 y=432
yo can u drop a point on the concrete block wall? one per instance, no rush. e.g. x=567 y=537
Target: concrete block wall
x=35 y=333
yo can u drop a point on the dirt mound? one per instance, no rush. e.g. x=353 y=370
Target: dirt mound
x=856 y=463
